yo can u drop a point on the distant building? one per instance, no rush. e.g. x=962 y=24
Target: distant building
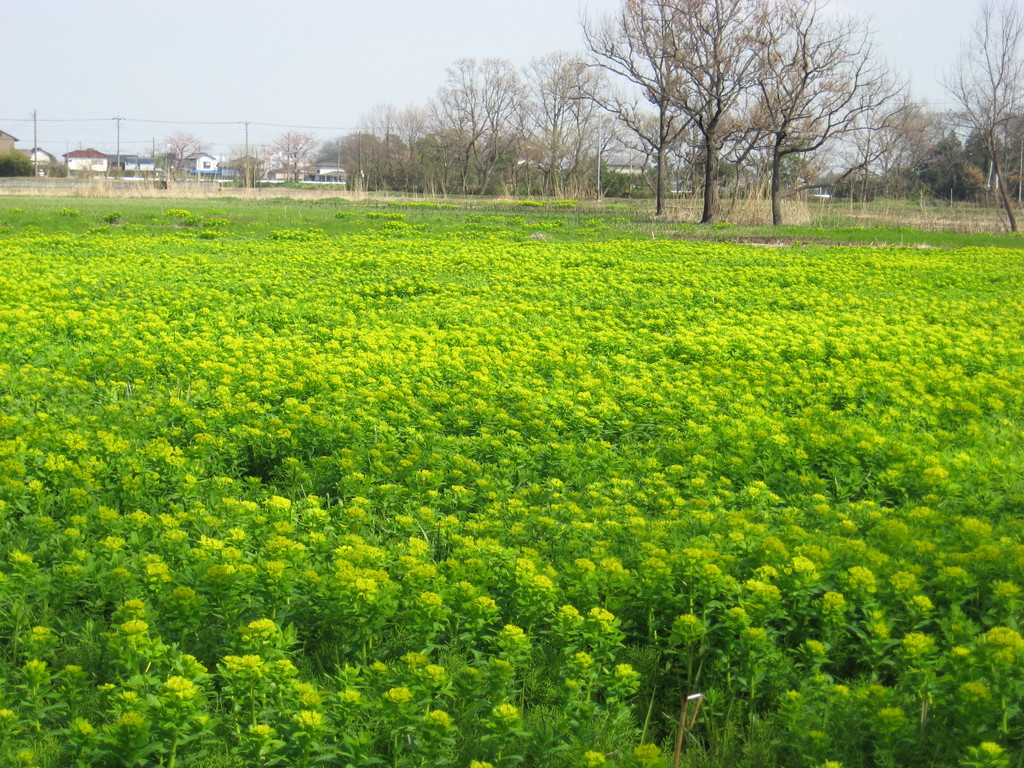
x=631 y=163
x=201 y=164
x=133 y=164
x=87 y=161
x=6 y=143
x=314 y=174
x=234 y=169
x=325 y=174
x=41 y=156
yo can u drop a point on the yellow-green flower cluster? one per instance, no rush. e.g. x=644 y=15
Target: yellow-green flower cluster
x=384 y=488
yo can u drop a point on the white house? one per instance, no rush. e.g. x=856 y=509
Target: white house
x=201 y=164
x=136 y=164
x=87 y=161
x=325 y=174
x=40 y=156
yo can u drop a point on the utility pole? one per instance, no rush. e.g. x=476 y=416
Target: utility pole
x=118 y=119
x=35 y=143
x=248 y=166
x=359 y=140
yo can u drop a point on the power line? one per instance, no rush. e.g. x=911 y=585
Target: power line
x=184 y=122
x=309 y=127
x=56 y=120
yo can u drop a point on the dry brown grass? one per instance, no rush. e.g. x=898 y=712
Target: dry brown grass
x=758 y=212
x=963 y=217
x=744 y=211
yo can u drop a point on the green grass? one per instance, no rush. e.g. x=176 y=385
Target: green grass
x=844 y=234
x=559 y=221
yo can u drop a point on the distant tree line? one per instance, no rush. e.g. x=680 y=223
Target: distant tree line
x=709 y=96
x=713 y=98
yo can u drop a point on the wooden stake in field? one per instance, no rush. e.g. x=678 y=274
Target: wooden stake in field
x=687 y=719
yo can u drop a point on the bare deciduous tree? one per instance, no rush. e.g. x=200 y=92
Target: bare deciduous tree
x=715 y=56
x=293 y=151
x=181 y=145
x=458 y=123
x=359 y=154
x=382 y=162
x=988 y=84
x=870 y=142
x=818 y=82
x=562 y=117
x=478 y=119
x=249 y=164
x=639 y=45
x=412 y=126
x=901 y=145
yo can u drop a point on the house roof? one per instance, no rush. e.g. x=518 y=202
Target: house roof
x=91 y=153
x=5 y=133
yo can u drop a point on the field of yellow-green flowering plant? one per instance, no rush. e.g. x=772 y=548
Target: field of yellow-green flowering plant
x=400 y=498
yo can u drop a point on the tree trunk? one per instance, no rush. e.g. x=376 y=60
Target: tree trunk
x=659 y=186
x=1004 y=198
x=485 y=180
x=464 y=170
x=711 y=205
x=776 y=191
x=659 y=191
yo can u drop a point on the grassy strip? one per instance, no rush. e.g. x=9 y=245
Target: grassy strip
x=560 y=221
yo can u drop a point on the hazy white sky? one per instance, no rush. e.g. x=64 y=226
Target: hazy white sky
x=206 y=67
